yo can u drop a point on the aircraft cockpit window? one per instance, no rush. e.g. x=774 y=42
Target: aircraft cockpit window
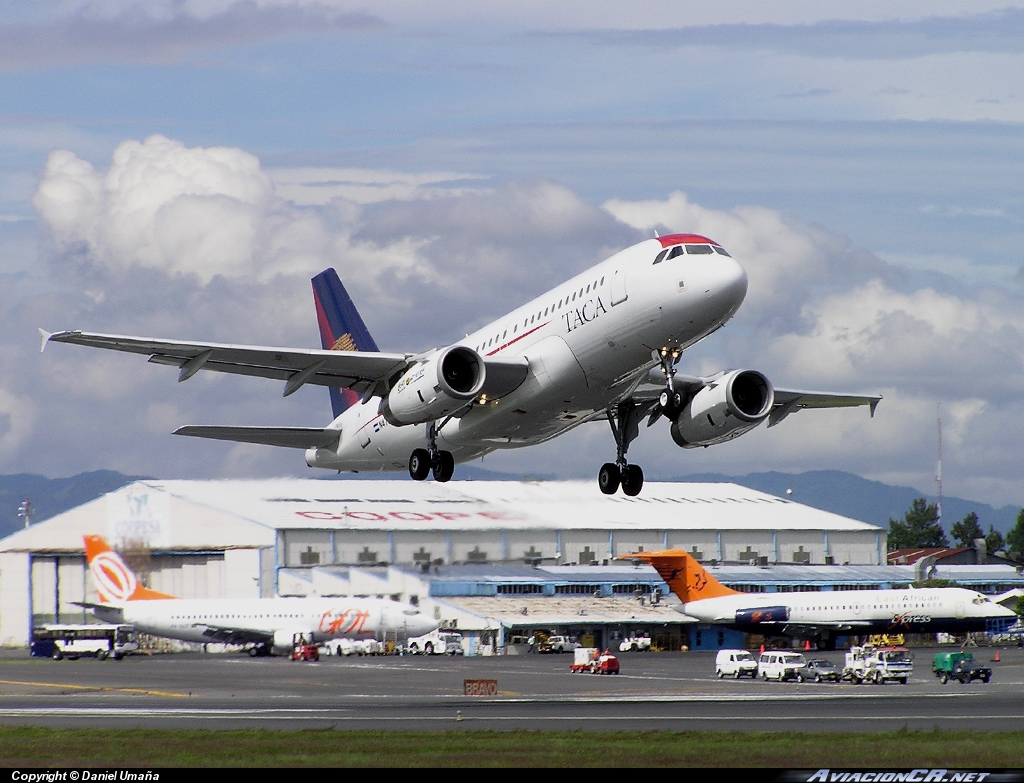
x=699 y=250
x=720 y=251
x=676 y=251
x=661 y=256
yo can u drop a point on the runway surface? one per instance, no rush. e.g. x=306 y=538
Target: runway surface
x=672 y=691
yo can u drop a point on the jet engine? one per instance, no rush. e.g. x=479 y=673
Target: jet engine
x=727 y=407
x=435 y=387
x=746 y=618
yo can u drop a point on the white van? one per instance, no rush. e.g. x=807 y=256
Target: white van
x=735 y=663
x=780 y=665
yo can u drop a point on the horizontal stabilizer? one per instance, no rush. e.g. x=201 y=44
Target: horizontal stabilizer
x=288 y=437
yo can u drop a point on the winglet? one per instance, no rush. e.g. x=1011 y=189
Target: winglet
x=45 y=335
x=683 y=574
x=874 y=404
x=115 y=581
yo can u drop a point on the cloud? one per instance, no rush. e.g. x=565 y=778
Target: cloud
x=198 y=243
x=887 y=39
x=98 y=33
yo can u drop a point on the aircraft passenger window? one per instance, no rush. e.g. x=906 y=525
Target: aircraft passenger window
x=720 y=251
x=588 y=289
x=602 y=281
x=545 y=311
x=699 y=250
x=661 y=256
x=574 y=297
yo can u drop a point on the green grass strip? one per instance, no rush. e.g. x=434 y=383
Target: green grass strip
x=29 y=746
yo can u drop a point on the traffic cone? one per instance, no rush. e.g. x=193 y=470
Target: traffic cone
x=997 y=659
x=762 y=647
x=807 y=644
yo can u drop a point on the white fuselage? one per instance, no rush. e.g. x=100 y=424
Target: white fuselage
x=586 y=341
x=208 y=620
x=919 y=610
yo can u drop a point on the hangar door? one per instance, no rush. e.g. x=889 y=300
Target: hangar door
x=56 y=581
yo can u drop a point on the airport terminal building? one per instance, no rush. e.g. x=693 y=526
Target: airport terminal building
x=492 y=558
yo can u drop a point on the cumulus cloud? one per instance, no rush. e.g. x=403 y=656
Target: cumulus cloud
x=200 y=243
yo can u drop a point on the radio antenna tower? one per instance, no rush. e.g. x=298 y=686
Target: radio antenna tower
x=938 y=468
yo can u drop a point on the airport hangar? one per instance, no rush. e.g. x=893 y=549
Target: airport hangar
x=496 y=560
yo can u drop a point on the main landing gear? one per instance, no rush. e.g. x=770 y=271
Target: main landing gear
x=624 y=420
x=423 y=461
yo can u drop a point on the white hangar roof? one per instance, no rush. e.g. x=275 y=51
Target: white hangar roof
x=471 y=505
x=193 y=515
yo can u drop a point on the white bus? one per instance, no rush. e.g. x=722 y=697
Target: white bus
x=94 y=640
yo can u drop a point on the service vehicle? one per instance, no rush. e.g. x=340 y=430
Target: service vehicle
x=437 y=643
x=345 y=647
x=867 y=663
x=592 y=660
x=779 y=665
x=959 y=666
x=818 y=670
x=735 y=663
x=635 y=644
x=303 y=648
x=93 y=640
x=559 y=644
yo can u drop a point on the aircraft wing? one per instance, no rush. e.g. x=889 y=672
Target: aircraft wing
x=361 y=371
x=788 y=401
x=214 y=633
x=288 y=437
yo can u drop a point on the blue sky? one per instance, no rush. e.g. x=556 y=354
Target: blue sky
x=452 y=159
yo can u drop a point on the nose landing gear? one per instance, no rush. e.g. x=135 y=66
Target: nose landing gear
x=423 y=461
x=624 y=420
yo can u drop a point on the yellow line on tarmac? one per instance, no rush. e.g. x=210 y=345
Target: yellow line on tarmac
x=93 y=688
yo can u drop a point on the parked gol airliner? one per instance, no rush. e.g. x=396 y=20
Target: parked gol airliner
x=265 y=624
x=823 y=615
x=602 y=345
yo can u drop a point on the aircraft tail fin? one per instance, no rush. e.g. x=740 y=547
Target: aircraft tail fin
x=341 y=329
x=115 y=581
x=687 y=578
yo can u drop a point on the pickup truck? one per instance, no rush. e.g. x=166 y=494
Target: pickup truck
x=559 y=644
x=635 y=644
x=959 y=666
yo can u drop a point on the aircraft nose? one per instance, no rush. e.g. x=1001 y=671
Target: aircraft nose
x=725 y=284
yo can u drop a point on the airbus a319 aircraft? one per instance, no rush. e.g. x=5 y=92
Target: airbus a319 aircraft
x=603 y=345
x=826 y=614
x=266 y=625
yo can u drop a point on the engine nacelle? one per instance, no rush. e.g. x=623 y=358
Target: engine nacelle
x=724 y=409
x=436 y=387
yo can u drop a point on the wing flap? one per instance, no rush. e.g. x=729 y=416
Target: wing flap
x=288 y=437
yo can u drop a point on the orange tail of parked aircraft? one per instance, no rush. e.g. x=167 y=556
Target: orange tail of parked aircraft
x=683 y=574
x=115 y=581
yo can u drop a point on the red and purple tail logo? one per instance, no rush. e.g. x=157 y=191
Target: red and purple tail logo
x=341 y=329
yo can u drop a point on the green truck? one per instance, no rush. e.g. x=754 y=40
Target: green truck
x=959 y=666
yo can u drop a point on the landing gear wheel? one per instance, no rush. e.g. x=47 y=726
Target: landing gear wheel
x=419 y=464
x=632 y=480
x=608 y=478
x=445 y=466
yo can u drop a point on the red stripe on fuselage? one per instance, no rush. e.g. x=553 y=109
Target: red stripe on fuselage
x=517 y=339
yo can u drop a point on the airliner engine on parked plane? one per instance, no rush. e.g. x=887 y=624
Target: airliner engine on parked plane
x=436 y=387
x=727 y=407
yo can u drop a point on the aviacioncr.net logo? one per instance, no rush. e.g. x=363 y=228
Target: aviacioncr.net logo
x=114 y=580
